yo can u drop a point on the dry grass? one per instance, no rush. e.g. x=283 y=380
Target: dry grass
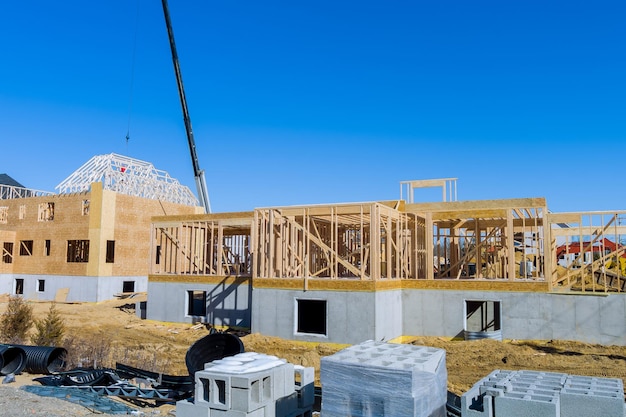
x=110 y=332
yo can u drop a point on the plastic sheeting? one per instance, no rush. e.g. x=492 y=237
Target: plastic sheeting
x=89 y=400
x=375 y=379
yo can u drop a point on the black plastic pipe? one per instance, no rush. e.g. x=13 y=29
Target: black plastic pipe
x=44 y=359
x=12 y=360
x=211 y=347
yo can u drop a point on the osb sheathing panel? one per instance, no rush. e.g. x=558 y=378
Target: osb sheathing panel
x=124 y=219
x=176 y=219
x=201 y=279
x=132 y=217
x=383 y=285
x=326 y=284
x=68 y=224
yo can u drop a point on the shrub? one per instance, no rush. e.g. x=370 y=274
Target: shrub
x=16 y=321
x=50 y=330
x=93 y=351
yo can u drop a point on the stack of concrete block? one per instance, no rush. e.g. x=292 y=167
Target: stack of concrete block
x=543 y=394
x=384 y=379
x=589 y=396
x=251 y=385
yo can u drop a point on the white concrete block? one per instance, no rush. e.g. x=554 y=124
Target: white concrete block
x=304 y=376
x=232 y=413
x=371 y=375
x=212 y=390
x=185 y=408
x=526 y=405
x=589 y=396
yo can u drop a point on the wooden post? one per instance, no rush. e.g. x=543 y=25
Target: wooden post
x=429 y=244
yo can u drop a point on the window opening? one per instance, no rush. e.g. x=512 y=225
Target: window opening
x=110 y=254
x=482 y=316
x=85 y=207
x=196 y=303
x=311 y=316
x=77 y=251
x=46 y=212
x=19 y=286
x=4 y=215
x=22 y=212
x=128 y=286
x=46 y=250
x=158 y=254
x=7 y=252
x=41 y=285
x=26 y=247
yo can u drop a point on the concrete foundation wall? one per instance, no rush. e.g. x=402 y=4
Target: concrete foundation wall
x=81 y=288
x=352 y=317
x=587 y=318
x=388 y=309
x=228 y=303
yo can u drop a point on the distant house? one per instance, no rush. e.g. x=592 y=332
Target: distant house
x=91 y=240
x=7 y=180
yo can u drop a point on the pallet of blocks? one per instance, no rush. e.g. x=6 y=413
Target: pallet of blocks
x=543 y=394
x=384 y=379
x=251 y=384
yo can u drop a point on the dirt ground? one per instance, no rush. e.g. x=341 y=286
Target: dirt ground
x=161 y=347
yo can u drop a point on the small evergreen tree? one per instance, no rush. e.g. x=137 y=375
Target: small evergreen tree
x=16 y=321
x=50 y=330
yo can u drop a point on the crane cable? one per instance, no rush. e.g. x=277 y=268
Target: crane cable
x=132 y=77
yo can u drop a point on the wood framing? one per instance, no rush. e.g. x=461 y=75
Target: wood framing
x=589 y=251
x=486 y=239
x=356 y=241
x=514 y=240
x=206 y=245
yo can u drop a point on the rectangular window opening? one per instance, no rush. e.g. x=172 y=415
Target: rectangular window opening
x=85 y=208
x=110 y=254
x=7 y=252
x=128 y=286
x=46 y=212
x=196 y=303
x=22 y=212
x=26 y=247
x=77 y=251
x=482 y=316
x=41 y=285
x=311 y=316
x=158 y=254
x=19 y=286
x=4 y=215
x=46 y=250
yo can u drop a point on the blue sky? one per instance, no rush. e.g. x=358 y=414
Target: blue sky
x=303 y=102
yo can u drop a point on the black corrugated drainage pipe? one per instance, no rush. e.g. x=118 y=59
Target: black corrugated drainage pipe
x=44 y=359
x=12 y=360
x=211 y=347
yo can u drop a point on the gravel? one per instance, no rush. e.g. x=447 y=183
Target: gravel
x=16 y=402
